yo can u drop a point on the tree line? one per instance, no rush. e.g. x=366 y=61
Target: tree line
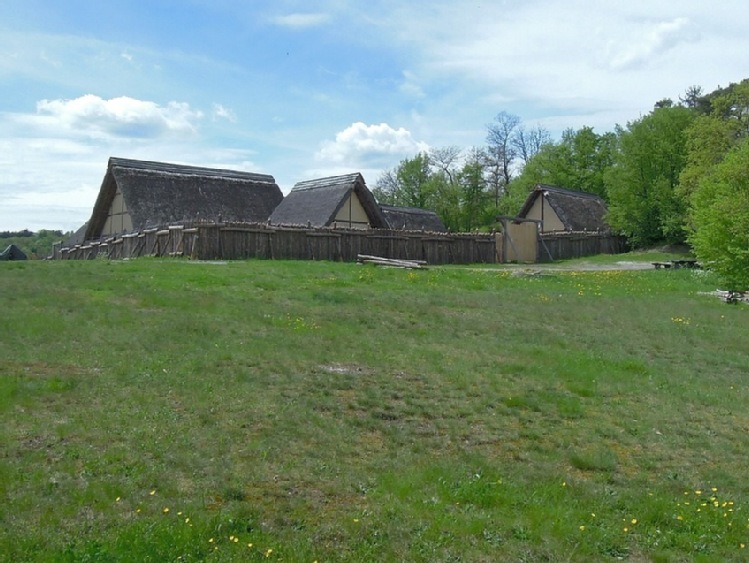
x=34 y=244
x=679 y=174
x=467 y=188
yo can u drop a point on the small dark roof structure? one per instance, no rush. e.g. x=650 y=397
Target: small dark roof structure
x=158 y=194
x=12 y=253
x=413 y=219
x=316 y=203
x=578 y=211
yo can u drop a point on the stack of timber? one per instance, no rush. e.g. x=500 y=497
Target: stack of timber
x=390 y=262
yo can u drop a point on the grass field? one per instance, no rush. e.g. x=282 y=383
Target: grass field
x=167 y=410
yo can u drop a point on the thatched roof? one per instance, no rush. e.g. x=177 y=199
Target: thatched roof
x=316 y=203
x=78 y=237
x=578 y=211
x=158 y=194
x=413 y=219
x=12 y=252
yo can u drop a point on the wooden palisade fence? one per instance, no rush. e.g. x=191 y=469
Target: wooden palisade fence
x=223 y=241
x=566 y=245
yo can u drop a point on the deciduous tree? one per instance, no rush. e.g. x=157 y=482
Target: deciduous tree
x=408 y=184
x=528 y=142
x=501 y=153
x=642 y=182
x=473 y=194
x=720 y=211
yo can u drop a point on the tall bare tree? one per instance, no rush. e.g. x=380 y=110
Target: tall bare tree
x=445 y=159
x=387 y=187
x=528 y=142
x=501 y=152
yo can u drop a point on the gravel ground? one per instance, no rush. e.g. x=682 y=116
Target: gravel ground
x=581 y=267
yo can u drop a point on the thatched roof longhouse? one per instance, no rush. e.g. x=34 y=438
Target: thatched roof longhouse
x=138 y=195
x=335 y=201
x=413 y=219
x=560 y=209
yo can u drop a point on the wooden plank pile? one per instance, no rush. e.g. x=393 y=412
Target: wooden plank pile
x=390 y=262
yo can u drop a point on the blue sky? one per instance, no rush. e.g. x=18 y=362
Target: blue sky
x=301 y=90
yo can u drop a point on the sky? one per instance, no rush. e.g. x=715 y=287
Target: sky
x=306 y=89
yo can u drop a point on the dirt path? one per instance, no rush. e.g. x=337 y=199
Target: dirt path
x=574 y=267
x=592 y=266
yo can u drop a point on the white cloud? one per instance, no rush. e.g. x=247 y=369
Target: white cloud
x=360 y=144
x=120 y=117
x=368 y=149
x=50 y=173
x=302 y=20
x=222 y=112
x=651 y=41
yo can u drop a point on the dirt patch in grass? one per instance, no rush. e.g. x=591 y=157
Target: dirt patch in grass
x=346 y=369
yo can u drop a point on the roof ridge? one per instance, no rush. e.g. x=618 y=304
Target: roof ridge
x=328 y=182
x=565 y=191
x=187 y=170
x=407 y=209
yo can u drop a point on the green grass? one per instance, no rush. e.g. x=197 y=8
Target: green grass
x=334 y=412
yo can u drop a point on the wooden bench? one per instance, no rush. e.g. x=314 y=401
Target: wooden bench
x=686 y=263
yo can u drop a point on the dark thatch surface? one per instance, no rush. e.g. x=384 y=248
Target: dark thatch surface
x=578 y=211
x=413 y=219
x=316 y=203
x=158 y=194
x=12 y=253
x=78 y=237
